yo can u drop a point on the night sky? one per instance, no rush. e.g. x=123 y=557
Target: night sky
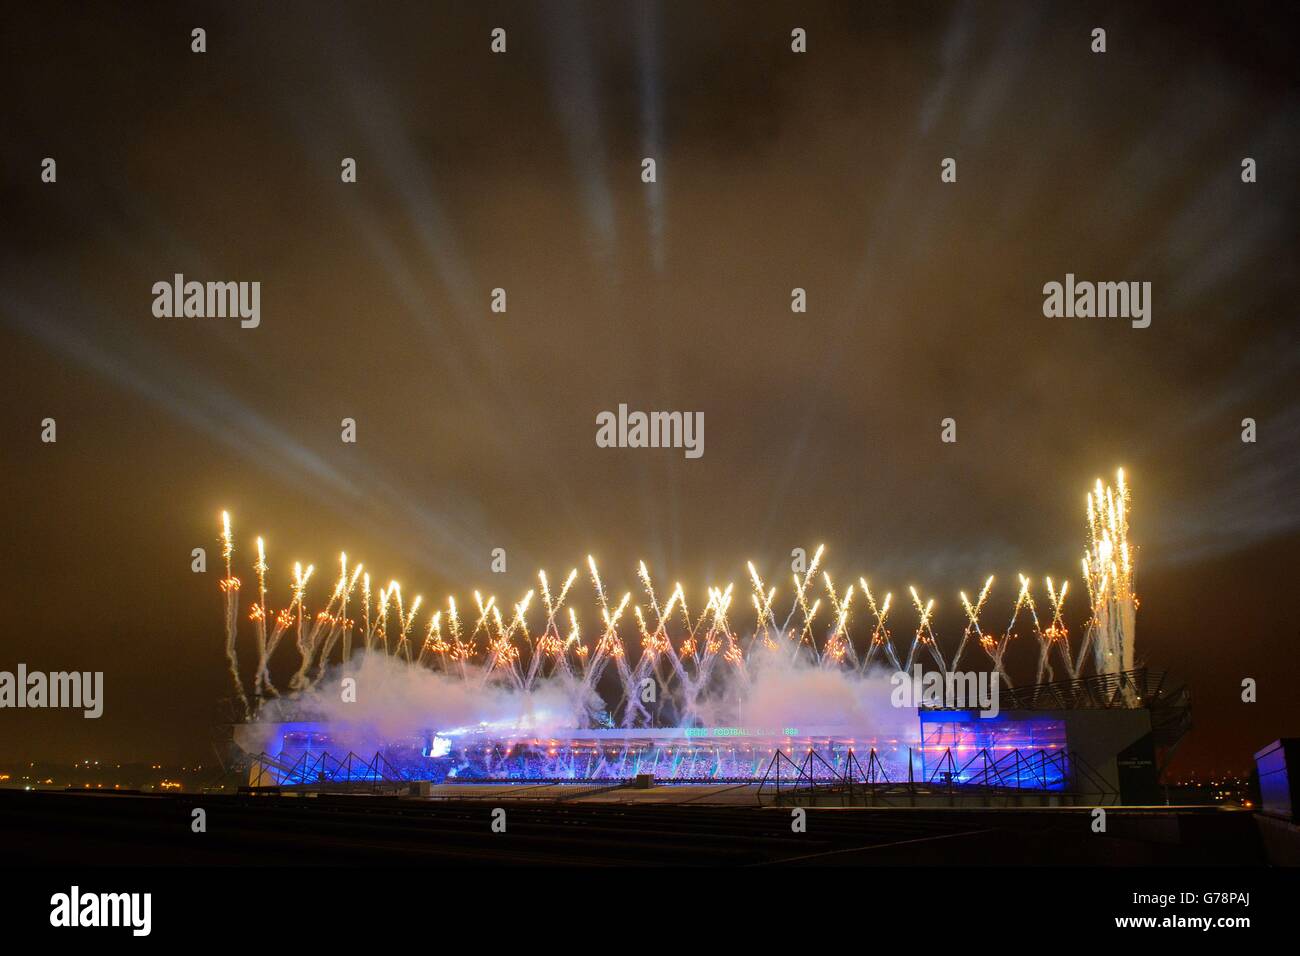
x=775 y=170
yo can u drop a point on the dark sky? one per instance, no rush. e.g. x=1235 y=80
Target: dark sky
x=522 y=171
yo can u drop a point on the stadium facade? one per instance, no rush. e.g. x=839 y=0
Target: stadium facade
x=1095 y=740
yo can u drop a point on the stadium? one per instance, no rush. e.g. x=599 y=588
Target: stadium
x=816 y=713
x=1099 y=740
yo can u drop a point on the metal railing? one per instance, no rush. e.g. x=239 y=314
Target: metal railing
x=1056 y=772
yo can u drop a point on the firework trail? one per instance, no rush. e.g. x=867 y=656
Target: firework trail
x=395 y=594
x=288 y=617
x=609 y=647
x=999 y=649
x=405 y=621
x=258 y=614
x=550 y=644
x=880 y=637
x=701 y=660
x=230 y=588
x=1057 y=634
x=762 y=600
x=337 y=625
x=365 y=609
x=838 y=648
x=656 y=645
x=804 y=637
x=305 y=638
x=924 y=635
x=461 y=652
x=1044 y=643
x=678 y=670
x=433 y=640
x=376 y=624
x=593 y=669
x=972 y=629
x=801 y=589
x=719 y=641
x=633 y=710
x=344 y=624
x=379 y=623
x=1108 y=576
x=685 y=669
x=502 y=654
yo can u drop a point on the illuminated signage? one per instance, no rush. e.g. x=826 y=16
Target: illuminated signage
x=740 y=732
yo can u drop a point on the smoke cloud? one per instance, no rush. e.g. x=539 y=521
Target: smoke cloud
x=780 y=692
x=395 y=699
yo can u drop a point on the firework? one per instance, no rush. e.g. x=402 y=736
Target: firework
x=1108 y=576
x=676 y=659
x=230 y=588
x=924 y=635
x=838 y=649
x=258 y=614
x=880 y=636
x=1057 y=634
x=972 y=629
